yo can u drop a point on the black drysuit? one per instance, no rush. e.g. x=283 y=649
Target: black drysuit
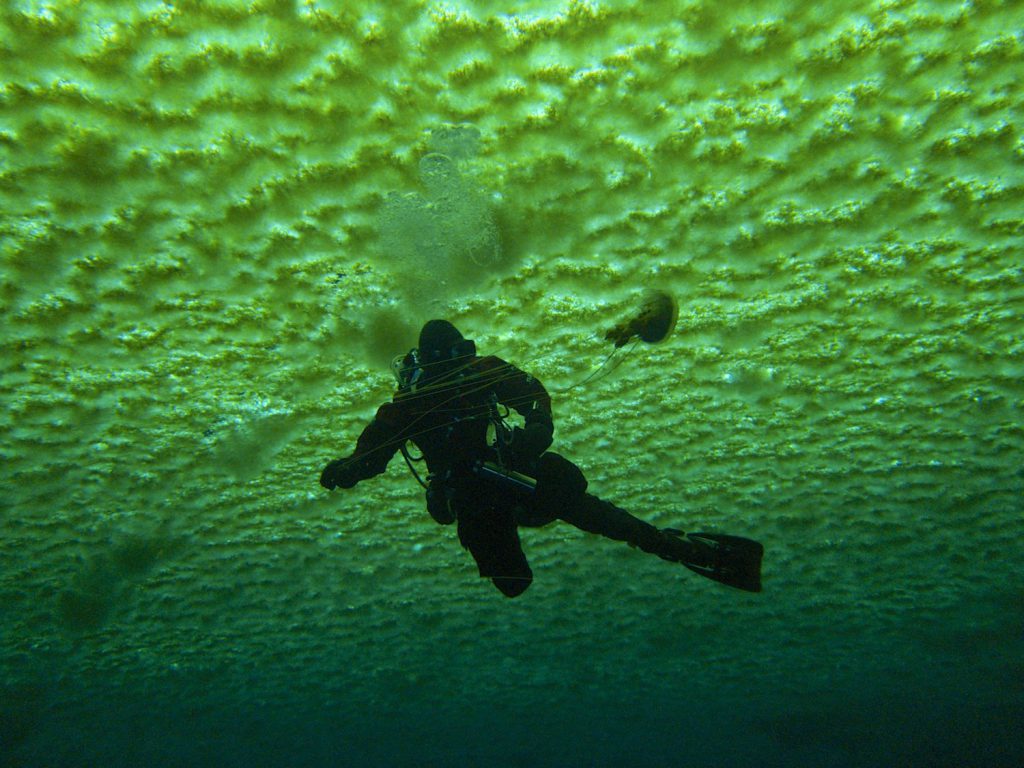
x=448 y=422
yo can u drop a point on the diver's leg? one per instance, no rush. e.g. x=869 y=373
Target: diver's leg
x=490 y=535
x=561 y=489
x=593 y=515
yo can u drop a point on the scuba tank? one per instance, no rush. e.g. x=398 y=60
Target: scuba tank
x=501 y=471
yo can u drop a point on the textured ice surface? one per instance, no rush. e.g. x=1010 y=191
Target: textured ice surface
x=218 y=222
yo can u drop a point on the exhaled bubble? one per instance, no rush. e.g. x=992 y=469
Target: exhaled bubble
x=447 y=235
x=462 y=213
x=408 y=230
x=459 y=142
x=440 y=176
x=486 y=248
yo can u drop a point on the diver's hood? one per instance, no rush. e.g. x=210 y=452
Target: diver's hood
x=440 y=341
x=441 y=351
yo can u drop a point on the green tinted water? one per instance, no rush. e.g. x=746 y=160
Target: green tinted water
x=220 y=221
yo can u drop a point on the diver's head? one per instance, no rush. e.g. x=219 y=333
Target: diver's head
x=441 y=351
x=442 y=348
x=438 y=341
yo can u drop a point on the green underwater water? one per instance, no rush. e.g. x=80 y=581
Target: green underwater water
x=220 y=221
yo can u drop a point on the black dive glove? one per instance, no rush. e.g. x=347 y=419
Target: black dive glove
x=340 y=473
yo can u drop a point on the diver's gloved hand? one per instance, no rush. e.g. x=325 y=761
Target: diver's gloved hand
x=529 y=442
x=340 y=473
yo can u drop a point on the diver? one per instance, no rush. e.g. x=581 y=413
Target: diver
x=490 y=478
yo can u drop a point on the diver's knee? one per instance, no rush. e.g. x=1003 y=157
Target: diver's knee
x=559 y=481
x=512 y=587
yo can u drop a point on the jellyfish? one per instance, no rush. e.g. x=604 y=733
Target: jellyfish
x=651 y=324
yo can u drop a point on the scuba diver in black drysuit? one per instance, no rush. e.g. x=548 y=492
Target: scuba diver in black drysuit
x=447 y=400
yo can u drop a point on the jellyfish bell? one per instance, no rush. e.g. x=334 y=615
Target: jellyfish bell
x=657 y=317
x=652 y=323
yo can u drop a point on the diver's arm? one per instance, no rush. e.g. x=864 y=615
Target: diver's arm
x=376 y=445
x=526 y=395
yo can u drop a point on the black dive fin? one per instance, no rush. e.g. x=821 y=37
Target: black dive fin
x=731 y=560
